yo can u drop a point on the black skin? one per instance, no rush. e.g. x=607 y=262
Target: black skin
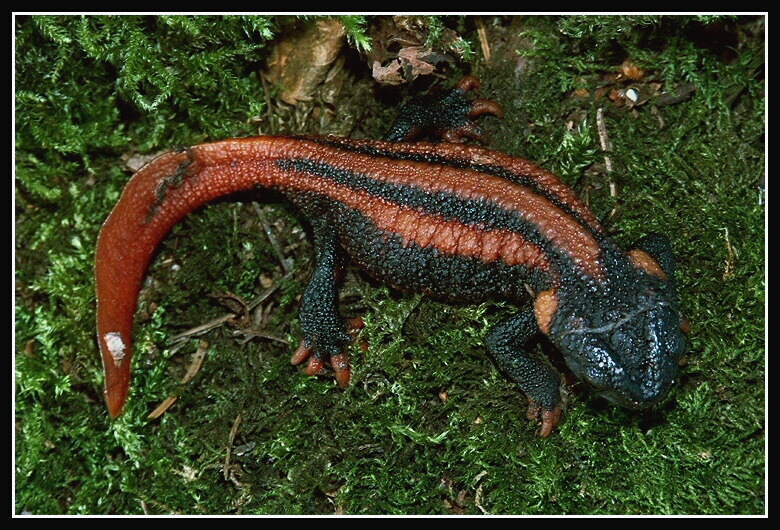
x=626 y=347
x=622 y=337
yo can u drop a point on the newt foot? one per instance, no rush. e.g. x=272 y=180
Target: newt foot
x=339 y=362
x=550 y=418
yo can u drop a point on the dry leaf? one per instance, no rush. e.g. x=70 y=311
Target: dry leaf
x=301 y=62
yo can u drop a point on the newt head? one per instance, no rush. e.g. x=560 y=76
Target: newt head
x=625 y=343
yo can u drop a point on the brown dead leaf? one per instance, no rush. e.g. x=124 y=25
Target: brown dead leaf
x=410 y=63
x=418 y=61
x=398 y=53
x=631 y=71
x=300 y=62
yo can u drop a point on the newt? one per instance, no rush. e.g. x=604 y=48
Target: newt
x=452 y=220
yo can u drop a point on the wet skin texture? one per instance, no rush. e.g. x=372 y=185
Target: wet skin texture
x=449 y=220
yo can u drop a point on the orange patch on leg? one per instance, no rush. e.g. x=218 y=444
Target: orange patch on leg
x=545 y=306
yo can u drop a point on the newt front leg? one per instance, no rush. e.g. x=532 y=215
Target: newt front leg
x=540 y=383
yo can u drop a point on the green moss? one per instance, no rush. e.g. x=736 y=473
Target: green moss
x=429 y=426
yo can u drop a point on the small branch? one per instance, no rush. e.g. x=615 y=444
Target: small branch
x=272 y=238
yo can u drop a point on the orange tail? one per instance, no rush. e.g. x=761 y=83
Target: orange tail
x=156 y=198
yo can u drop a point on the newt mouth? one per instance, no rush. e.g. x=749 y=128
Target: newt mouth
x=629 y=403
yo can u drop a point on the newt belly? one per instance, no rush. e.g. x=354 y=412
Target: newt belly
x=457 y=222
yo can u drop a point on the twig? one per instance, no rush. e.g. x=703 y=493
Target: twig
x=270 y=235
x=202 y=328
x=231 y=439
x=483 y=41
x=219 y=321
x=728 y=270
x=606 y=146
x=192 y=370
x=478 y=495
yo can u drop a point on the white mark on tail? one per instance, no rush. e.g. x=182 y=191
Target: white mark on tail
x=116 y=346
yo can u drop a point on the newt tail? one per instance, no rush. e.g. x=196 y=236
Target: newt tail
x=157 y=197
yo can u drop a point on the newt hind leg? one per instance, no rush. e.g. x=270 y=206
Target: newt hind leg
x=325 y=334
